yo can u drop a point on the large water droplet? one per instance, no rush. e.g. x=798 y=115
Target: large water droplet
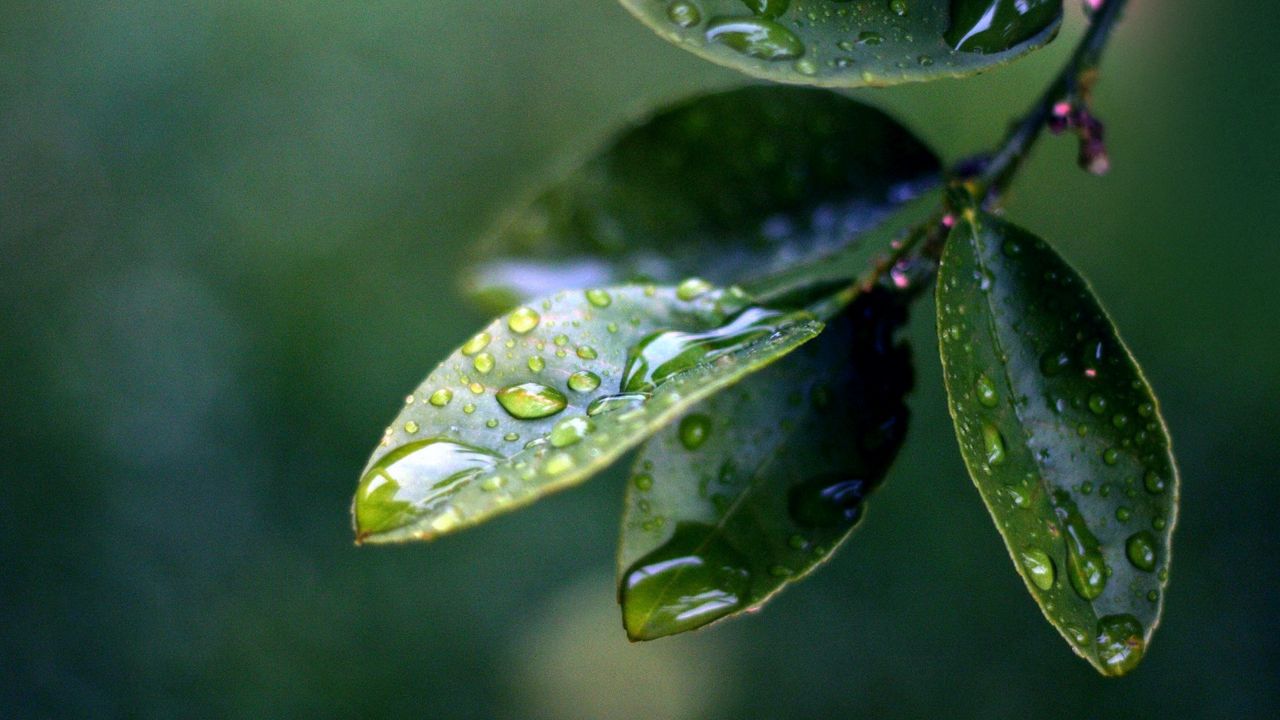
x=663 y=354
x=756 y=37
x=688 y=582
x=1120 y=643
x=1086 y=567
x=992 y=26
x=694 y=430
x=411 y=479
x=827 y=501
x=530 y=401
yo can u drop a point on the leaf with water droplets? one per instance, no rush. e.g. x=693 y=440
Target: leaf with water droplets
x=852 y=43
x=1061 y=434
x=734 y=185
x=553 y=392
x=759 y=484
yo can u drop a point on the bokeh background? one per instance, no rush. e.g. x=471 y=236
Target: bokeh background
x=229 y=238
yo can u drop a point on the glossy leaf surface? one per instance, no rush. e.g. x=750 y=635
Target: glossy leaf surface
x=732 y=186
x=552 y=392
x=756 y=486
x=853 y=43
x=1062 y=436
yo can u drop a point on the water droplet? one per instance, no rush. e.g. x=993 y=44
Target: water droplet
x=536 y=363
x=797 y=542
x=609 y=403
x=684 y=14
x=756 y=37
x=1154 y=483
x=570 y=431
x=523 y=319
x=691 y=580
x=411 y=427
x=441 y=397
x=694 y=430
x=469 y=408
x=767 y=8
x=602 y=298
x=1123 y=514
x=492 y=483
x=870 y=37
x=1053 y=363
x=986 y=391
x=586 y=352
x=476 y=344
x=898 y=7
x=1086 y=567
x=530 y=401
x=413 y=479
x=663 y=354
x=1141 y=549
x=584 y=381
x=1120 y=643
x=994 y=26
x=692 y=288
x=1110 y=456
x=643 y=482
x=511 y=437
x=826 y=501
x=1097 y=404
x=1039 y=568
x=559 y=464
x=993 y=444
x=483 y=363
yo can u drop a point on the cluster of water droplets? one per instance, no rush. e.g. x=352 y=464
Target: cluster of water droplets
x=521 y=371
x=1090 y=390
x=778 y=31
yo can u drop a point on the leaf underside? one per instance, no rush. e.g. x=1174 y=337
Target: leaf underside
x=755 y=487
x=855 y=43
x=1062 y=436
x=504 y=420
x=731 y=186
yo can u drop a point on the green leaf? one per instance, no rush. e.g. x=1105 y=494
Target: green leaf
x=1061 y=434
x=552 y=393
x=857 y=42
x=733 y=186
x=756 y=486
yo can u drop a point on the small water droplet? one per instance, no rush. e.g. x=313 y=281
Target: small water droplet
x=684 y=14
x=536 y=363
x=441 y=397
x=411 y=427
x=483 y=363
x=1141 y=549
x=586 y=352
x=1039 y=568
x=609 y=403
x=523 y=319
x=559 y=463
x=1086 y=567
x=993 y=444
x=570 y=431
x=986 y=391
x=643 y=482
x=1153 y=483
x=898 y=7
x=584 y=381
x=476 y=343
x=1097 y=404
x=694 y=430
x=826 y=501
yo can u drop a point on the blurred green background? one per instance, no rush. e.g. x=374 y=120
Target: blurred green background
x=229 y=236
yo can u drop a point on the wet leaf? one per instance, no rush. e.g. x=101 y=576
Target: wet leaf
x=734 y=185
x=553 y=392
x=1062 y=436
x=854 y=43
x=756 y=486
